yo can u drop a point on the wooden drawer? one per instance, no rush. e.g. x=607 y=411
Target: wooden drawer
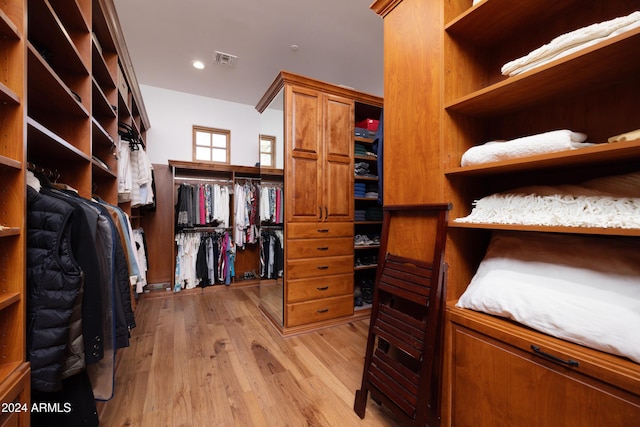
x=319 y=310
x=314 y=230
x=323 y=287
x=493 y=365
x=319 y=267
x=313 y=248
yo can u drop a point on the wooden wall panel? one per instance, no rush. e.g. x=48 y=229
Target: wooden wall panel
x=413 y=168
x=413 y=103
x=158 y=228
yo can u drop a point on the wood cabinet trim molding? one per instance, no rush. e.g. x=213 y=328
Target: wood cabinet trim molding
x=383 y=7
x=201 y=166
x=285 y=77
x=113 y=22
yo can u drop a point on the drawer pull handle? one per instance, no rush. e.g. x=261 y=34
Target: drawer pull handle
x=324 y=248
x=568 y=362
x=322 y=267
x=324 y=310
x=324 y=288
x=323 y=230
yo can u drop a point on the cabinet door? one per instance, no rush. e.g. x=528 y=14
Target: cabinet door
x=338 y=158
x=303 y=188
x=494 y=384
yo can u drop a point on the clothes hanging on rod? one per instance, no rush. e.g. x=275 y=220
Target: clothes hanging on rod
x=135 y=172
x=203 y=259
x=246 y=197
x=125 y=176
x=78 y=291
x=271 y=207
x=203 y=204
x=140 y=246
x=271 y=254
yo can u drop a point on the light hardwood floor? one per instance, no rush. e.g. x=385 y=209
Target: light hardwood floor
x=212 y=359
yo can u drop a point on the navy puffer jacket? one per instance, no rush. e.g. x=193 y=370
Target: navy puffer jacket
x=53 y=283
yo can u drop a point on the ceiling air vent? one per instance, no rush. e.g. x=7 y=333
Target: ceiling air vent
x=225 y=58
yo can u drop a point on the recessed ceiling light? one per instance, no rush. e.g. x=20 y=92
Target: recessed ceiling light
x=295 y=47
x=198 y=64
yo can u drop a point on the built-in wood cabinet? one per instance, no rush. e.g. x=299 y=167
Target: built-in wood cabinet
x=318 y=204
x=318 y=120
x=497 y=375
x=319 y=159
x=492 y=376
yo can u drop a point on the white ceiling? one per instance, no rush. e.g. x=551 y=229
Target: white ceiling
x=340 y=42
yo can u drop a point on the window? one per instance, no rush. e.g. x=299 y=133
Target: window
x=267 y=151
x=211 y=145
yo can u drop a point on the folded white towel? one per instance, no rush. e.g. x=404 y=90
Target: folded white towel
x=547 y=142
x=571 y=42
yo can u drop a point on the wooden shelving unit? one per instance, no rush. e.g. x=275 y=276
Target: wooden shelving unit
x=365 y=257
x=58 y=110
x=14 y=370
x=457 y=51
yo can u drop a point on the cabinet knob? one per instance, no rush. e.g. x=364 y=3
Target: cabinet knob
x=324 y=310
x=324 y=288
x=323 y=248
x=322 y=267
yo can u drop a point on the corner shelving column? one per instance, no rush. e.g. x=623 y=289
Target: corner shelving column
x=14 y=370
x=367 y=210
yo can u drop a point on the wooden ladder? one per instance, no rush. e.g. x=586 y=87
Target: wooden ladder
x=405 y=327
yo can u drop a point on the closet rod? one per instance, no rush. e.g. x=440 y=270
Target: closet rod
x=225 y=181
x=203 y=229
x=274 y=184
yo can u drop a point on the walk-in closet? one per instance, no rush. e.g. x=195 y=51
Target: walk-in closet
x=337 y=213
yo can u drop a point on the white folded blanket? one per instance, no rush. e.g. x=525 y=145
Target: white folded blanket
x=557 y=210
x=610 y=202
x=547 y=142
x=573 y=41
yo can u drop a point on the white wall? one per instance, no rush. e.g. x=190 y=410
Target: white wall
x=272 y=123
x=173 y=114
